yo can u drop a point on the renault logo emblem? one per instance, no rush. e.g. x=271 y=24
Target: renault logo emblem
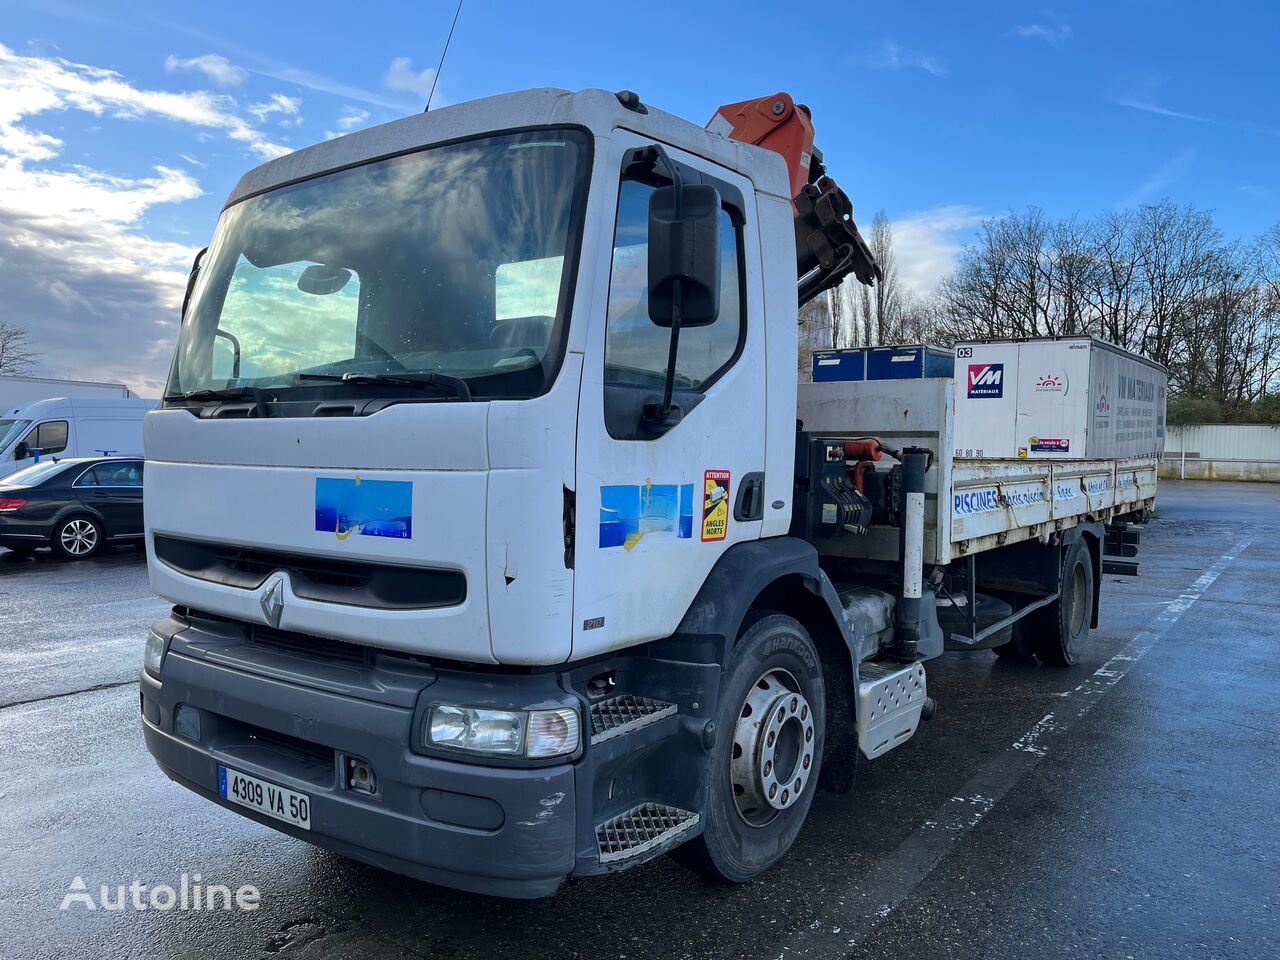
x=272 y=600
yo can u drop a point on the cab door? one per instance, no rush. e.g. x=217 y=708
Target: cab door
x=656 y=510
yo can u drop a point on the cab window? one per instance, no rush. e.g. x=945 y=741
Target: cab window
x=636 y=349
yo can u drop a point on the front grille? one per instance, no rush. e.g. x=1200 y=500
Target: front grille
x=352 y=582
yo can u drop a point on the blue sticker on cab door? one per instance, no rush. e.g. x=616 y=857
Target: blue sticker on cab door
x=632 y=511
x=369 y=508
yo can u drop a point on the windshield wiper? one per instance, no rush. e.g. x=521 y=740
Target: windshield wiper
x=230 y=393
x=442 y=381
x=257 y=394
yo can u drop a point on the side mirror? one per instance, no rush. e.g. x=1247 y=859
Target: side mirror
x=684 y=255
x=21 y=451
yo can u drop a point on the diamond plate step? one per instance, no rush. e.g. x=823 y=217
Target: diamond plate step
x=624 y=714
x=642 y=829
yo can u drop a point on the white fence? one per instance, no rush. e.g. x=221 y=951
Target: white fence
x=1222 y=451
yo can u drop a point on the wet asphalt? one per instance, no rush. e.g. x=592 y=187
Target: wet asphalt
x=1128 y=807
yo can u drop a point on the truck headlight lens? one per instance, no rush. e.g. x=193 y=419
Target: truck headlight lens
x=536 y=734
x=476 y=731
x=153 y=653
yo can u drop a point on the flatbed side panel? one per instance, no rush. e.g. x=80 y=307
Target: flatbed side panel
x=996 y=502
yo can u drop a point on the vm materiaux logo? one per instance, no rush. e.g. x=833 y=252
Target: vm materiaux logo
x=1052 y=383
x=986 y=380
x=1103 y=406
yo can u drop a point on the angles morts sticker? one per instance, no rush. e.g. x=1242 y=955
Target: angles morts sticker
x=715 y=505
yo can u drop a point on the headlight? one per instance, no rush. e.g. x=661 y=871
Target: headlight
x=153 y=653
x=536 y=734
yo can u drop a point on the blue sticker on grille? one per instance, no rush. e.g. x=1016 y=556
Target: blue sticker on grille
x=369 y=508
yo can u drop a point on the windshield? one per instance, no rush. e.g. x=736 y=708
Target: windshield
x=10 y=430
x=452 y=260
x=36 y=473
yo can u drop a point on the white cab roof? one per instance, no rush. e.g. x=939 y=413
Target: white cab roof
x=597 y=110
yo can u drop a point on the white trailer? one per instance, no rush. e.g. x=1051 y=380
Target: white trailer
x=16 y=391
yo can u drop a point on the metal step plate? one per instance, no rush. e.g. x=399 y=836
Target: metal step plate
x=890 y=698
x=642 y=829
x=624 y=714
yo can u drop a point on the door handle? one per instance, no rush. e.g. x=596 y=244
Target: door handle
x=750 y=502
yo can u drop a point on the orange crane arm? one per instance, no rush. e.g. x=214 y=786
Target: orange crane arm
x=828 y=244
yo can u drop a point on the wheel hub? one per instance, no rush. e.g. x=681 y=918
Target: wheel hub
x=79 y=537
x=772 y=753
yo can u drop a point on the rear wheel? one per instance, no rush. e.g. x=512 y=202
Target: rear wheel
x=1061 y=629
x=77 y=538
x=763 y=769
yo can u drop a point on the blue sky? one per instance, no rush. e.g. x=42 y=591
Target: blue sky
x=124 y=125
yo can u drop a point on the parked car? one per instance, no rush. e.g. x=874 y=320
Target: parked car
x=75 y=505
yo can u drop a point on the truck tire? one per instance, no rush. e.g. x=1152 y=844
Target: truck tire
x=771 y=718
x=1061 y=629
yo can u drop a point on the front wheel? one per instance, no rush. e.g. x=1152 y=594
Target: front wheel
x=763 y=769
x=1062 y=628
x=77 y=538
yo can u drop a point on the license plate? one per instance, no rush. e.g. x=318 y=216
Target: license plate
x=274 y=801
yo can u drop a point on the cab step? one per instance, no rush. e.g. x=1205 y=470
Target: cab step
x=891 y=698
x=641 y=830
x=626 y=713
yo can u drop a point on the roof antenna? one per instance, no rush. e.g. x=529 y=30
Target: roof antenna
x=440 y=65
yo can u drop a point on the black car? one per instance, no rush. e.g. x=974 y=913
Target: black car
x=75 y=505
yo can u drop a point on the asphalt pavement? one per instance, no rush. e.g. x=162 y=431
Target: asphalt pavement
x=1127 y=807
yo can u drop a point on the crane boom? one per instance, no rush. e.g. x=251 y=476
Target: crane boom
x=828 y=244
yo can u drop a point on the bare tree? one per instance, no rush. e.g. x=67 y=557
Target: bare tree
x=886 y=293
x=16 y=355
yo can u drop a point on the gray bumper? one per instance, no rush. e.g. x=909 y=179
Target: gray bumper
x=506 y=831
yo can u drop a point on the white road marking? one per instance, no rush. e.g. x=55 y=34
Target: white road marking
x=876 y=895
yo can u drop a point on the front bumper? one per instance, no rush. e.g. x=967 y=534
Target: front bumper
x=506 y=831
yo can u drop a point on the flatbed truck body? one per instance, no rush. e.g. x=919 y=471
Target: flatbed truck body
x=495 y=553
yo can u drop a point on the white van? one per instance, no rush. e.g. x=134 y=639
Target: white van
x=70 y=427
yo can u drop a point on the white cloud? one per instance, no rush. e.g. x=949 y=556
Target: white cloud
x=352 y=117
x=99 y=297
x=1146 y=105
x=891 y=56
x=927 y=243
x=35 y=84
x=402 y=77
x=277 y=103
x=217 y=68
x=1043 y=31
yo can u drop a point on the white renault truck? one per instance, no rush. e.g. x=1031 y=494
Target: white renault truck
x=497 y=553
